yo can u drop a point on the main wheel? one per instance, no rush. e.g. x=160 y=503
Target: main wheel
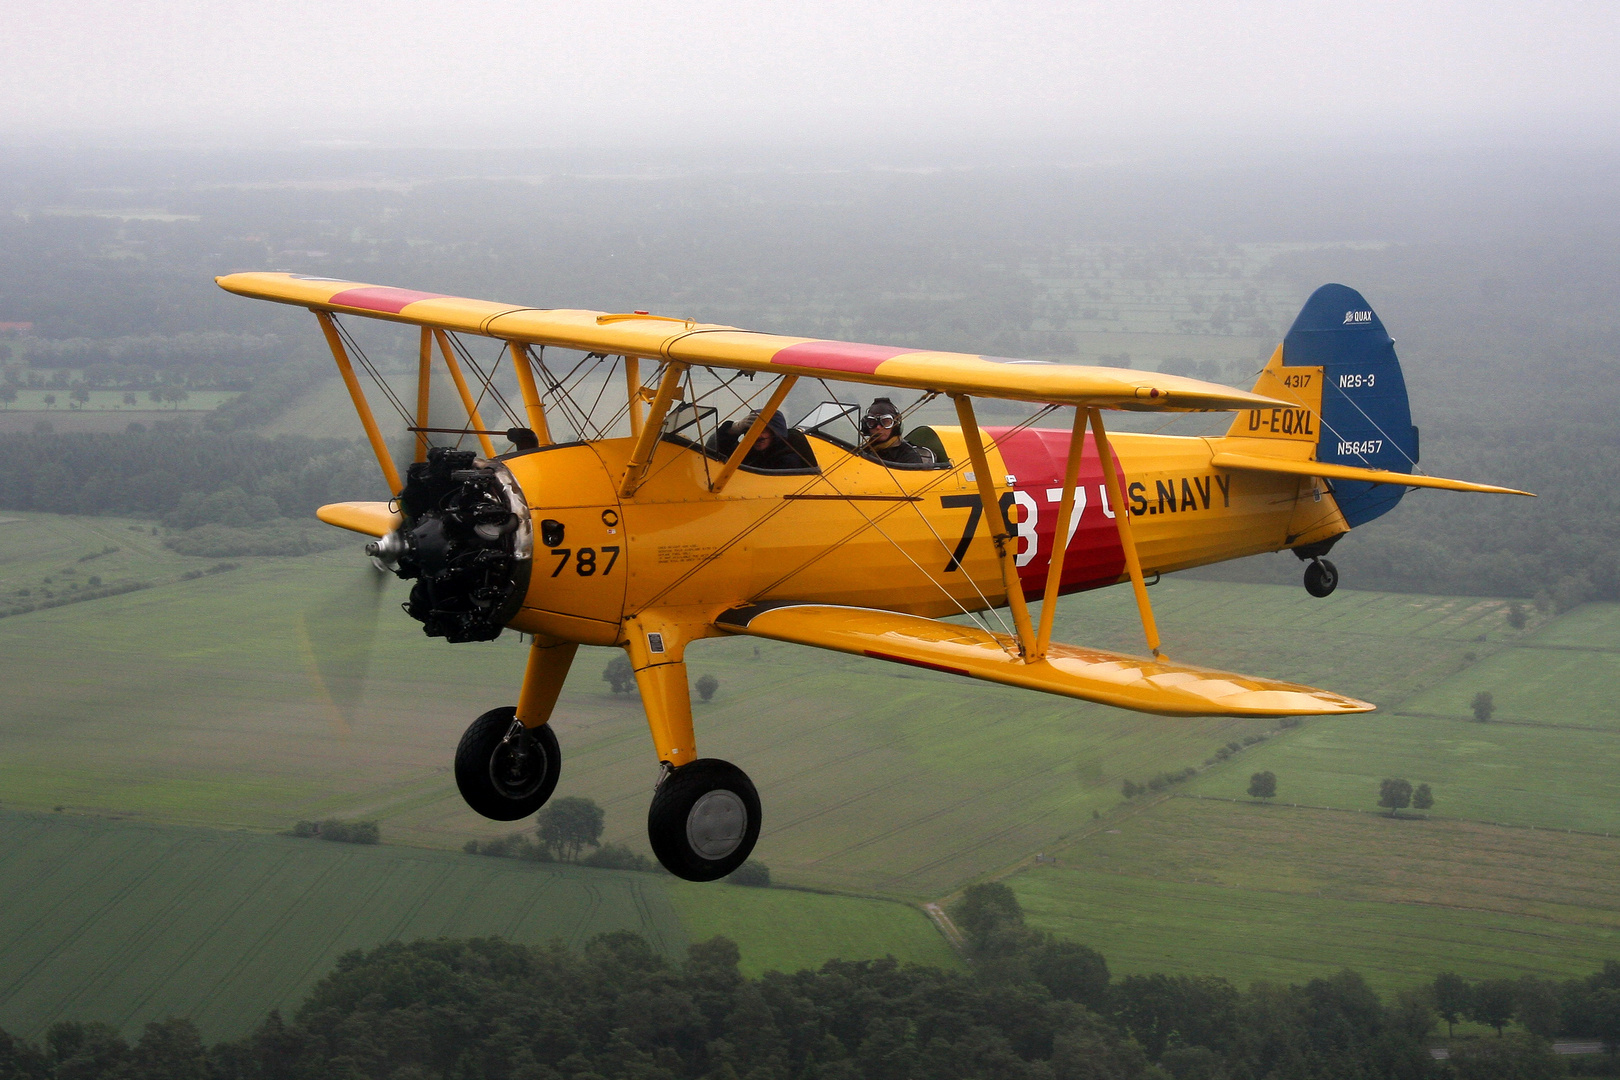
x=704 y=820
x=506 y=771
x=1321 y=577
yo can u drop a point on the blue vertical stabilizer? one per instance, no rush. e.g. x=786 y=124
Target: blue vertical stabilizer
x=1366 y=420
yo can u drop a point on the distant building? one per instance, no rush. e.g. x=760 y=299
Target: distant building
x=18 y=329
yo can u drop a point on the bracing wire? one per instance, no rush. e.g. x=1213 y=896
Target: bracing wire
x=371 y=369
x=488 y=381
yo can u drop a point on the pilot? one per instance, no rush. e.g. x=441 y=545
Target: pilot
x=774 y=449
x=881 y=426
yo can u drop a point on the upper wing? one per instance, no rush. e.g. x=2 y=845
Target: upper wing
x=1256 y=463
x=662 y=338
x=1129 y=682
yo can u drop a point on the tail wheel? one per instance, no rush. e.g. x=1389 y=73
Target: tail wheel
x=704 y=820
x=1321 y=577
x=506 y=771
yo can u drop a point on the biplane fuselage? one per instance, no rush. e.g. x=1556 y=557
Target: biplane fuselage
x=655 y=540
x=862 y=534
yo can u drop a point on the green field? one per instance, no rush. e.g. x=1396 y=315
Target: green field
x=250 y=699
x=1221 y=886
x=1272 y=892
x=1561 y=674
x=125 y=923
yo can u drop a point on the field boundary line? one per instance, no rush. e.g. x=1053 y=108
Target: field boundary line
x=1400 y=817
x=1506 y=723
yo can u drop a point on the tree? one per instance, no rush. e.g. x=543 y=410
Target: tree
x=1484 y=706
x=50 y=401
x=1396 y=795
x=1515 y=1058
x=1515 y=616
x=1605 y=1004
x=80 y=394
x=174 y=395
x=706 y=687
x=620 y=675
x=1071 y=972
x=129 y=398
x=1263 y=785
x=8 y=393
x=1493 y=1002
x=984 y=909
x=1422 y=797
x=1537 y=1010
x=568 y=825
x=156 y=394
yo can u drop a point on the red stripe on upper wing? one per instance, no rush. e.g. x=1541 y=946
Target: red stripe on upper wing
x=838 y=356
x=381 y=298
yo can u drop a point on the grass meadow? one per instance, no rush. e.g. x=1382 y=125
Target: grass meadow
x=128 y=922
x=295 y=688
x=1280 y=893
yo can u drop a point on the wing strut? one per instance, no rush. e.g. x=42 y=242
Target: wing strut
x=358 y=396
x=1122 y=521
x=998 y=526
x=424 y=380
x=746 y=443
x=460 y=380
x=531 y=395
x=1060 y=537
x=641 y=456
x=632 y=389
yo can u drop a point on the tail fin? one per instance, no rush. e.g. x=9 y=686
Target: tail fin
x=1339 y=364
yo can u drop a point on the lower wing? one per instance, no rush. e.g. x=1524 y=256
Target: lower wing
x=1128 y=682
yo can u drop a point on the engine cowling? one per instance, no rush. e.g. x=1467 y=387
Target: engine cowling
x=466 y=540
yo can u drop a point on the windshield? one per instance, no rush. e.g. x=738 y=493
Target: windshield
x=840 y=419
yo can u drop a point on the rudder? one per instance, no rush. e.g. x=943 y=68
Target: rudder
x=1357 y=413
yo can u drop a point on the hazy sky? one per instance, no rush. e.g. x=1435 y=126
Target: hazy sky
x=607 y=72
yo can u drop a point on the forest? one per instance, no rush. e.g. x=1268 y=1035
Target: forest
x=1029 y=1008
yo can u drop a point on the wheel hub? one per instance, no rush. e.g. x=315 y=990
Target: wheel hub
x=716 y=824
x=517 y=768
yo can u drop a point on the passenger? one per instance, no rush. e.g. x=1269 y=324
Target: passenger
x=773 y=449
x=881 y=426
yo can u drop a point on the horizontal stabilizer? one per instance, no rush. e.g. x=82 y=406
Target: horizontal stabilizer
x=1255 y=463
x=371 y=518
x=1127 y=682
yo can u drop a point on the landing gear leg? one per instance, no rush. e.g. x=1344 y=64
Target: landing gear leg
x=1321 y=577
x=705 y=815
x=508 y=761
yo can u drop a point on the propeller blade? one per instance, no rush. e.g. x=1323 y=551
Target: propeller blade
x=337 y=635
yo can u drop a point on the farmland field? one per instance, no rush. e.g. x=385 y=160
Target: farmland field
x=125 y=922
x=295 y=688
x=1272 y=892
x=1563 y=674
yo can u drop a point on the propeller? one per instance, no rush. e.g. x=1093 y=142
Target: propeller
x=337 y=635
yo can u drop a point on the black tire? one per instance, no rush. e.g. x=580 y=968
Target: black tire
x=506 y=779
x=704 y=820
x=1321 y=577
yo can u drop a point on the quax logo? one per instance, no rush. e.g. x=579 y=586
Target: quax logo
x=1357 y=316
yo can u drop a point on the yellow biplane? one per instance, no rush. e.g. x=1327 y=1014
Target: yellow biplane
x=660 y=525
